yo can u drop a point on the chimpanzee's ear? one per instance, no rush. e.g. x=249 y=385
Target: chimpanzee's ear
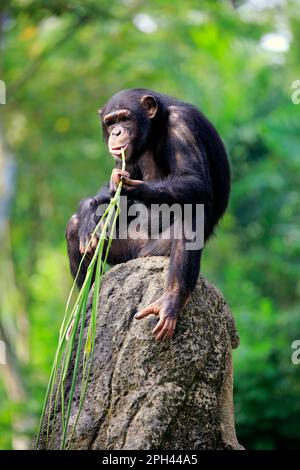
x=100 y=112
x=149 y=103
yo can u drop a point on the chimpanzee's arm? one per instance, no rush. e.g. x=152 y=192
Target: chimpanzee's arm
x=173 y=189
x=182 y=278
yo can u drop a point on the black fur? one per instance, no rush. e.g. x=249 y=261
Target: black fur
x=180 y=157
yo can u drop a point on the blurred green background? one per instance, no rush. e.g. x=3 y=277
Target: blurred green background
x=236 y=60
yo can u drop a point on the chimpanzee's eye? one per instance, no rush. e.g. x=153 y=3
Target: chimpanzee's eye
x=124 y=118
x=109 y=122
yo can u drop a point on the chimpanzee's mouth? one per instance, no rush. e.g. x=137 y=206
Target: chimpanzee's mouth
x=117 y=151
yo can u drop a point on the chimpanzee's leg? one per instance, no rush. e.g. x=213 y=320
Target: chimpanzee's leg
x=121 y=250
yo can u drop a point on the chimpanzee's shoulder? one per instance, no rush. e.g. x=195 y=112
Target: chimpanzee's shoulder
x=183 y=112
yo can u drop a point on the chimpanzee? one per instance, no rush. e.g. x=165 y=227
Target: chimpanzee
x=173 y=155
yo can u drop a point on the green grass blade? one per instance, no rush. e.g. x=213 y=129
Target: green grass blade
x=74 y=319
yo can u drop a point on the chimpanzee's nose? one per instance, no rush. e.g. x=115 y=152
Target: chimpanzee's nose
x=116 y=131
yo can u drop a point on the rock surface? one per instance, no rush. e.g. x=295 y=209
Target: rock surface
x=148 y=395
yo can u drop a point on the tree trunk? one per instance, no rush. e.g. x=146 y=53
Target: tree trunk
x=148 y=395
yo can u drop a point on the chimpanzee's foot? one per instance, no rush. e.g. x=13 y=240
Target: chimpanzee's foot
x=167 y=307
x=88 y=244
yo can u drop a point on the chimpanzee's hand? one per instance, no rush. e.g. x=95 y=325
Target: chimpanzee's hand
x=167 y=308
x=132 y=188
x=115 y=179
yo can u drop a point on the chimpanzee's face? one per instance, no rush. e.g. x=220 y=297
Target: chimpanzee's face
x=121 y=127
x=127 y=122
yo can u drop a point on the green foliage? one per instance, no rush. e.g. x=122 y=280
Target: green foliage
x=61 y=61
